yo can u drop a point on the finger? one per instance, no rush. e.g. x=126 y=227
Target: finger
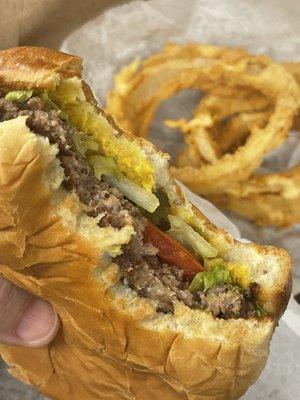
x=25 y=320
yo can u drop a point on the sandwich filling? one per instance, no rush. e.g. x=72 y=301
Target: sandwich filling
x=141 y=266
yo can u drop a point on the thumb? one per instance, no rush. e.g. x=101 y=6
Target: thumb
x=25 y=320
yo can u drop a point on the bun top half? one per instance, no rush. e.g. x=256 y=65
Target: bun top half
x=36 y=67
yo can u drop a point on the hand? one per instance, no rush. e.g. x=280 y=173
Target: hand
x=25 y=320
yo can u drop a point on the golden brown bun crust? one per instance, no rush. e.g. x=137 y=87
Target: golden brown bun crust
x=102 y=351
x=36 y=67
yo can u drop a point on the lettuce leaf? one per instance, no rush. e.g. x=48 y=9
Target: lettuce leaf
x=45 y=96
x=207 y=279
x=211 y=263
x=19 y=95
x=136 y=193
x=104 y=165
x=186 y=235
x=107 y=166
x=160 y=216
x=261 y=312
x=84 y=142
x=240 y=273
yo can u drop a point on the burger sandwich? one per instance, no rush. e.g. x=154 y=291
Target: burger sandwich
x=155 y=301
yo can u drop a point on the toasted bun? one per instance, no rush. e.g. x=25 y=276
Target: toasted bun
x=112 y=343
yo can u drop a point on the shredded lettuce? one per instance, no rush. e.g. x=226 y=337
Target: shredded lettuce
x=261 y=312
x=160 y=216
x=136 y=193
x=207 y=279
x=240 y=273
x=107 y=166
x=186 y=235
x=211 y=263
x=218 y=274
x=104 y=165
x=19 y=95
x=84 y=142
x=45 y=96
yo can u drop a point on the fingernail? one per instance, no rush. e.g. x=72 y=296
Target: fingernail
x=38 y=325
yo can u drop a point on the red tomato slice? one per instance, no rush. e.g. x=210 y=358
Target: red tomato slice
x=171 y=251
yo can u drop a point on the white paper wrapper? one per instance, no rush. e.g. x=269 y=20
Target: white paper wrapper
x=136 y=30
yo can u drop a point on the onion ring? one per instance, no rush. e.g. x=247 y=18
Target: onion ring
x=253 y=96
x=271 y=199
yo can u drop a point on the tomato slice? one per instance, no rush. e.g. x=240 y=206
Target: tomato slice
x=172 y=251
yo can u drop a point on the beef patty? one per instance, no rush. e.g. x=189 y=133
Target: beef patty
x=140 y=268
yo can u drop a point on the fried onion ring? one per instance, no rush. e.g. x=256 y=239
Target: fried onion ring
x=271 y=199
x=250 y=104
